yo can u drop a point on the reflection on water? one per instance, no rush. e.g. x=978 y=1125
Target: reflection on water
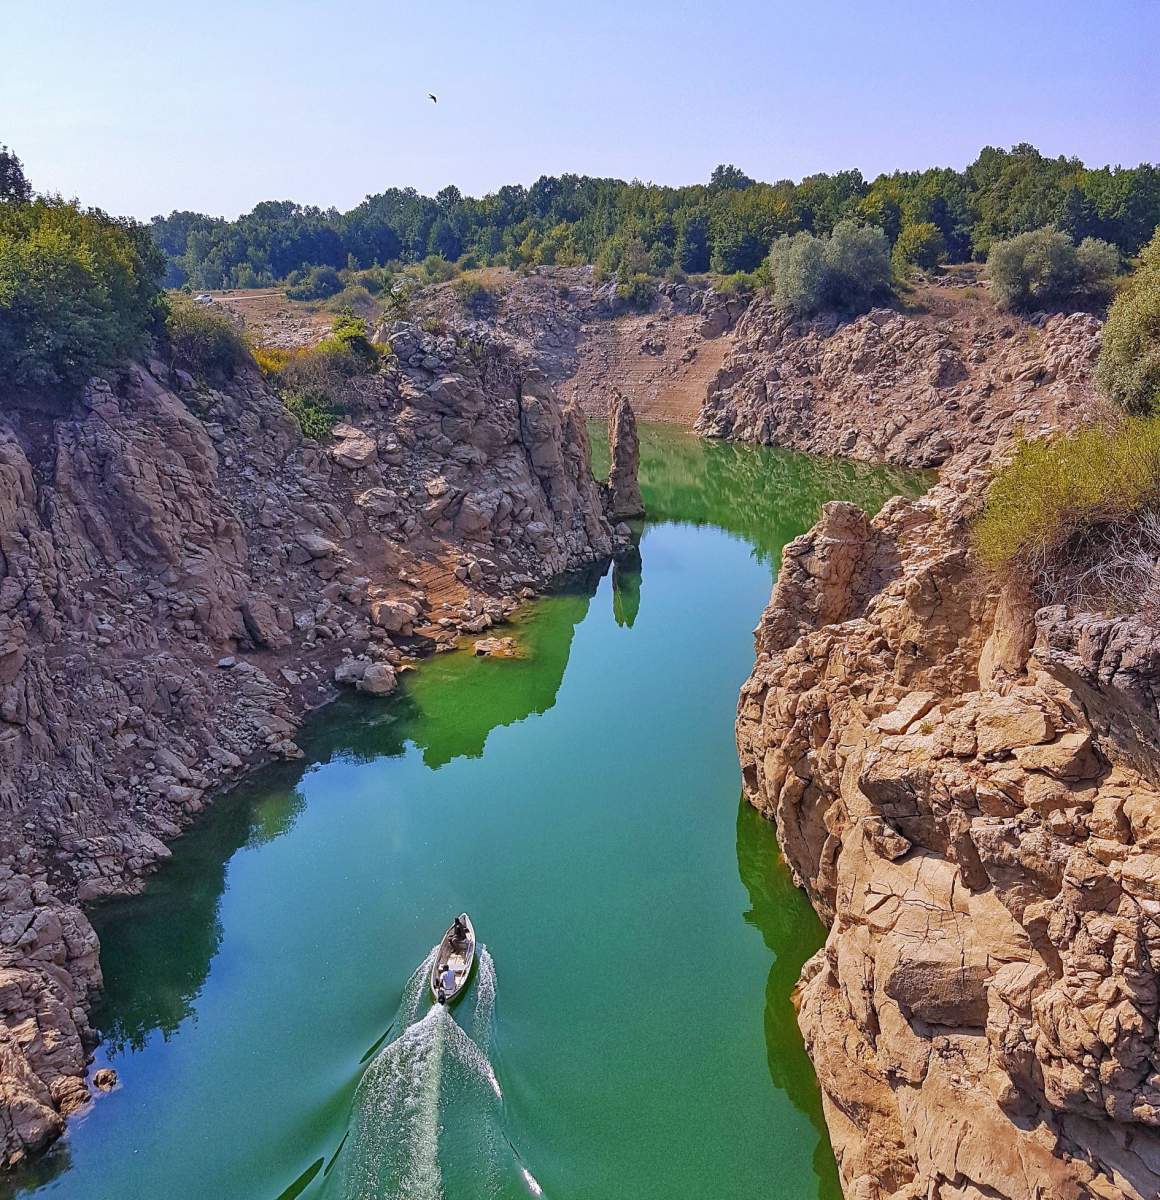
x=757 y=492
x=787 y=925
x=571 y=800
x=627 y=575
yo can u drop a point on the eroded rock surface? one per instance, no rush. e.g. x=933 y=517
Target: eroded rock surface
x=967 y=792
x=913 y=389
x=183 y=576
x=622 y=498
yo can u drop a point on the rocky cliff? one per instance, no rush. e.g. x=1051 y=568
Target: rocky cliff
x=183 y=576
x=593 y=345
x=913 y=388
x=966 y=787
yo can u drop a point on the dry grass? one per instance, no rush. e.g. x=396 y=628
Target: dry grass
x=1079 y=515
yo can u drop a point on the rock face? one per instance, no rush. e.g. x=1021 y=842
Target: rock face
x=910 y=389
x=622 y=498
x=968 y=793
x=183 y=576
x=591 y=344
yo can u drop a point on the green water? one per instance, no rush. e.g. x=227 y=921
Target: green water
x=635 y=1036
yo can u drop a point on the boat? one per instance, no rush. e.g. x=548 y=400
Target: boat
x=457 y=951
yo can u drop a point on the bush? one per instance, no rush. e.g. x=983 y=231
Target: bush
x=475 y=296
x=319 y=284
x=203 y=339
x=638 y=292
x=919 y=245
x=355 y=297
x=1129 y=366
x=312 y=410
x=1044 y=268
x=1056 y=492
x=434 y=269
x=78 y=293
x=318 y=383
x=850 y=270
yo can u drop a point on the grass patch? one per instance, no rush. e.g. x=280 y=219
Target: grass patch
x=203 y=340
x=318 y=384
x=1056 y=495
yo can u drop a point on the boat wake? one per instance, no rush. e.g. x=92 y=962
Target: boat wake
x=428 y=1115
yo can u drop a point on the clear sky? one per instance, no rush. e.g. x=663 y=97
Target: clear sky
x=143 y=106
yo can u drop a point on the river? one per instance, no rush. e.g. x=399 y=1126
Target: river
x=630 y=1031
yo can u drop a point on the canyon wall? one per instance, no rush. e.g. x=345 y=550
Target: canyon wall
x=183 y=576
x=964 y=785
x=912 y=388
x=595 y=345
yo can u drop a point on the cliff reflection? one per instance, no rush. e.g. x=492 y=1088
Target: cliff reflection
x=791 y=931
x=756 y=492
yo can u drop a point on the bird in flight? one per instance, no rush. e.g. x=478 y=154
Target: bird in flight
x=432 y=97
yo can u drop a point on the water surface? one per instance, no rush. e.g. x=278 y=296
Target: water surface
x=630 y=1032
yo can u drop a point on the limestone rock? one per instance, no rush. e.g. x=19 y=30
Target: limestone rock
x=622 y=496
x=982 y=842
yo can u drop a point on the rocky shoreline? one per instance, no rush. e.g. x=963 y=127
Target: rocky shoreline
x=184 y=576
x=965 y=785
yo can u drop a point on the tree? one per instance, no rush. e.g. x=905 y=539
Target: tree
x=919 y=245
x=78 y=293
x=1129 y=366
x=692 y=252
x=848 y=270
x=727 y=177
x=14 y=187
x=1044 y=267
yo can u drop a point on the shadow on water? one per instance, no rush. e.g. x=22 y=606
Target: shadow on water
x=791 y=930
x=157 y=954
x=755 y=492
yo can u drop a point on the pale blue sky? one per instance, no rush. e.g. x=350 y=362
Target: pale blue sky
x=142 y=107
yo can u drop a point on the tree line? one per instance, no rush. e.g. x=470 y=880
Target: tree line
x=725 y=226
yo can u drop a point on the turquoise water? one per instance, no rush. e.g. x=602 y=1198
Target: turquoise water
x=630 y=1031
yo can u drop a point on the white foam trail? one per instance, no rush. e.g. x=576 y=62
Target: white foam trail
x=400 y=1092
x=530 y=1180
x=472 y=1057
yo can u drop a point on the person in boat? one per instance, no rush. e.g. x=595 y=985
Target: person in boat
x=448 y=981
x=459 y=935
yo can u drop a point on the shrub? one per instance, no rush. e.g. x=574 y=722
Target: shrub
x=78 y=293
x=203 y=339
x=354 y=298
x=919 y=245
x=848 y=270
x=1129 y=366
x=318 y=383
x=1056 y=492
x=638 y=292
x=475 y=296
x=434 y=269
x=312 y=410
x=1044 y=267
x=319 y=284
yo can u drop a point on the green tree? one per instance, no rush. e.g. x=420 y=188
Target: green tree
x=1129 y=366
x=919 y=245
x=78 y=293
x=14 y=187
x=1044 y=267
